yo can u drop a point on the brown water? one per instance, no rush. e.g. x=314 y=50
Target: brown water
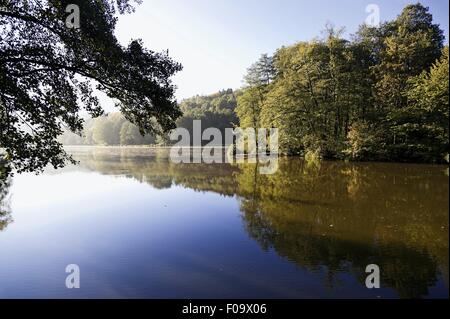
x=141 y=226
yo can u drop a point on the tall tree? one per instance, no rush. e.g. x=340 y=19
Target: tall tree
x=48 y=70
x=428 y=112
x=262 y=72
x=259 y=75
x=411 y=44
x=249 y=103
x=313 y=97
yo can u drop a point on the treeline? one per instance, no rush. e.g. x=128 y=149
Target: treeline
x=215 y=110
x=112 y=129
x=383 y=95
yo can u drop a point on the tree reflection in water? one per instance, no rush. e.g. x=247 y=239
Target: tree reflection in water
x=331 y=216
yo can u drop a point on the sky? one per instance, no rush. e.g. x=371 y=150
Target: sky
x=217 y=40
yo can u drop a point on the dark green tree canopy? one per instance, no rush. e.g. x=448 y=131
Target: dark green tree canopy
x=48 y=72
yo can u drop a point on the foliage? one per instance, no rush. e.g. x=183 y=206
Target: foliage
x=360 y=140
x=258 y=78
x=112 y=129
x=381 y=96
x=428 y=99
x=261 y=72
x=215 y=110
x=48 y=72
x=5 y=183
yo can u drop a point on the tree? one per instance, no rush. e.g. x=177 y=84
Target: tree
x=102 y=132
x=215 y=110
x=112 y=129
x=411 y=44
x=248 y=109
x=249 y=103
x=313 y=98
x=428 y=110
x=116 y=121
x=48 y=71
x=363 y=141
x=262 y=72
x=363 y=98
x=129 y=134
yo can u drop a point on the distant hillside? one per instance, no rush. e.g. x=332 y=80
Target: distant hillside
x=215 y=110
x=112 y=129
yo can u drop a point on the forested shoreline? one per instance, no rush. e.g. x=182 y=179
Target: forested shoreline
x=382 y=95
x=215 y=110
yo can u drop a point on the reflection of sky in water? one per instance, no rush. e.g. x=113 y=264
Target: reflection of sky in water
x=133 y=240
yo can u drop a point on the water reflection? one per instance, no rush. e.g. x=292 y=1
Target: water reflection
x=346 y=216
x=338 y=215
x=332 y=217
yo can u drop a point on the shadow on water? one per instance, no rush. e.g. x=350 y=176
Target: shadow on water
x=335 y=216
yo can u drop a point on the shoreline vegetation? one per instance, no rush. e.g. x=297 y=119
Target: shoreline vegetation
x=381 y=96
x=306 y=158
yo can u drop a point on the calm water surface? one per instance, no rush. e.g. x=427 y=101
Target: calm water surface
x=139 y=226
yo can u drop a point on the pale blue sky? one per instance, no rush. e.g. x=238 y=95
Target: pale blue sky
x=216 y=40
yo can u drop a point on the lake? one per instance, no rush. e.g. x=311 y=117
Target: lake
x=139 y=226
